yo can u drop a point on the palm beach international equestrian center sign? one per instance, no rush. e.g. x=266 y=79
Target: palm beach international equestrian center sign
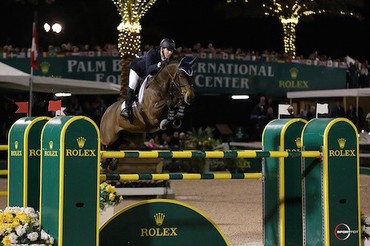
x=217 y=76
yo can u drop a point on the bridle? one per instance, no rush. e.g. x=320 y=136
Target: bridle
x=175 y=86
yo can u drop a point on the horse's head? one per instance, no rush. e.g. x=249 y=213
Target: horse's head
x=183 y=78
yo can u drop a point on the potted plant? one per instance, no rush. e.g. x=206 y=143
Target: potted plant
x=108 y=199
x=20 y=226
x=203 y=140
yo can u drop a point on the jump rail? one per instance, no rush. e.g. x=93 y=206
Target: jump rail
x=210 y=154
x=180 y=176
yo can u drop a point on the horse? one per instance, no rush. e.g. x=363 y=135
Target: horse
x=162 y=105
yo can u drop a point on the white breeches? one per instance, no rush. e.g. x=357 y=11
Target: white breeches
x=133 y=78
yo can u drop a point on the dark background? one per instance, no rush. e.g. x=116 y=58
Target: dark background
x=188 y=22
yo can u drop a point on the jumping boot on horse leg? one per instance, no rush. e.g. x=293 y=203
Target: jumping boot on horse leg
x=127 y=111
x=176 y=123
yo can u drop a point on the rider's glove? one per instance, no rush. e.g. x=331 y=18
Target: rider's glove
x=163 y=63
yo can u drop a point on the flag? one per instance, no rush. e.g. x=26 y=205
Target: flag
x=283 y=110
x=60 y=112
x=55 y=105
x=322 y=108
x=35 y=43
x=22 y=108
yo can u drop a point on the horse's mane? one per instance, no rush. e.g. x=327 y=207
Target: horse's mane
x=171 y=63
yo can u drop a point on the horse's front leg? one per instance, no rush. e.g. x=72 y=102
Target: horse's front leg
x=176 y=123
x=109 y=164
x=170 y=117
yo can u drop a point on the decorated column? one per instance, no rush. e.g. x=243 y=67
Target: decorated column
x=331 y=204
x=24 y=162
x=70 y=180
x=282 y=193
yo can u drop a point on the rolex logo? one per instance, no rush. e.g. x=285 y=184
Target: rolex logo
x=342 y=142
x=51 y=144
x=45 y=67
x=159 y=218
x=81 y=141
x=298 y=142
x=293 y=73
x=16 y=144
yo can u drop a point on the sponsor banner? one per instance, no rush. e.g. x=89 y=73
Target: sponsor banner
x=210 y=75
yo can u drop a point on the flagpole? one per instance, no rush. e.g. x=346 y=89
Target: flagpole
x=31 y=72
x=30 y=84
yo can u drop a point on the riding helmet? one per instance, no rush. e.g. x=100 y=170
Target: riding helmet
x=168 y=43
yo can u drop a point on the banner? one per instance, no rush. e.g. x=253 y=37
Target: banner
x=217 y=76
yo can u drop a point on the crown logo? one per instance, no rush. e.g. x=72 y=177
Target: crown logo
x=342 y=142
x=159 y=218
x=298 y=142
x=45 y=67
x=81 y=141
x=293 y=72
x=16 y=144
x=51 y=144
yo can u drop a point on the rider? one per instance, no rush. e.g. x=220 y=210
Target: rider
x=148 y=64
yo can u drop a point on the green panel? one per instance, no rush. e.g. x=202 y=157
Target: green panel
x=293 y=185
x=80 y=184
x=343 y=196
x=50 y=176
x=312 y=187
x=273 y=188
x=34 y=155
x=24 y=162
x=182 y=225
x=69 y=194
x=331 y=217
x=16 y=157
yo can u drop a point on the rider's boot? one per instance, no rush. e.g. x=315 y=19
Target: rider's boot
x=126 y=112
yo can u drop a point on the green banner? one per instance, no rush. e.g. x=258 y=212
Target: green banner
x=210 y=75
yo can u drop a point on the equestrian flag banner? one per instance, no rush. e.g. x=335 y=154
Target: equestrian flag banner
x=34 y=53
x=283 y=110
x=322 y=109
x=55 y=105
x=22 y=108
x=60 y=112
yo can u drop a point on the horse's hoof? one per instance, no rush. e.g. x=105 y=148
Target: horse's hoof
x=113 y=164
x=176 y=123
x=163 y=124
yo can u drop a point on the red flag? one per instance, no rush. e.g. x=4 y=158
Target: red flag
x=34 y=52
x=55 y=105
x=22 y=108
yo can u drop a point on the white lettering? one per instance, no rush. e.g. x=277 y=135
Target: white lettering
x=116 y=65
x=234 y=69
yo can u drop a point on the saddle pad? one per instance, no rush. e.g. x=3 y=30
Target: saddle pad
x=140 y=96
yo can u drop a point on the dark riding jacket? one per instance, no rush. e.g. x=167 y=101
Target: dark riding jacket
x=148 y=63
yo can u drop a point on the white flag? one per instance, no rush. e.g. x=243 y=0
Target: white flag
x=60 y=112
x=322 y=109
x=283 y=110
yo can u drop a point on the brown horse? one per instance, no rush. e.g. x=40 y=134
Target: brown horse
x=162 y=105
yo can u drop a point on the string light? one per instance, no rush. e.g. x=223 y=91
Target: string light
x=131 y=12
x=289 y=16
